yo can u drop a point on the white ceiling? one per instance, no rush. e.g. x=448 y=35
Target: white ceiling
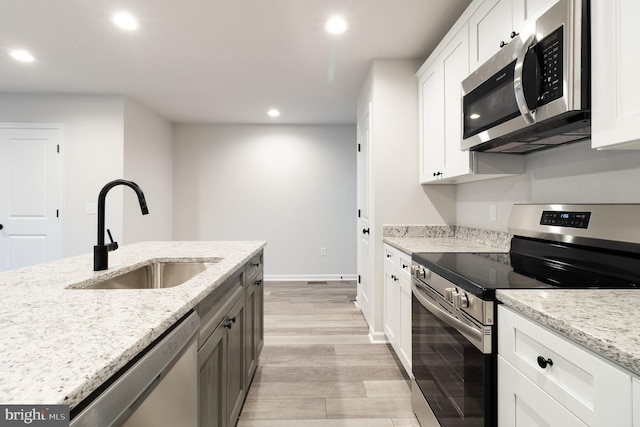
x=217 y=61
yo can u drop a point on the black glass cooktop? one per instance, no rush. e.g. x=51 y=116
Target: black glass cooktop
x=532 y=265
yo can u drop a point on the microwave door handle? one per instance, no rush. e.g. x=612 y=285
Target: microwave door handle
x=518 y=84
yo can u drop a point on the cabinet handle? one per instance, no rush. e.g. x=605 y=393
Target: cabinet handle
x=542 y=362
x=395 y=279
x=404 y=266
x=230 y=322
x=257 y=282
x=388 y=255
x=1 y=226
x=514 y=34
x=365 y=231
x=256 y=264
x=503 y=44
x=437 y=173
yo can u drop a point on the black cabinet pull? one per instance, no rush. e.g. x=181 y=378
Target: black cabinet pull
x=503 y=43
x=1 y=226
x=257 y=282
x=404 y=266
x=514 y=34
x=256 y=264
x=365 y=231
x=230 y=322
x=542 y=362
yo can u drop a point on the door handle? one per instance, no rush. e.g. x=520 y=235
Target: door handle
x=365 y=231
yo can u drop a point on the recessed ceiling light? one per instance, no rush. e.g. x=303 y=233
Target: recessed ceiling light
x=125 y=21
x=273 y=113
x=336 y=25
x=21 y=55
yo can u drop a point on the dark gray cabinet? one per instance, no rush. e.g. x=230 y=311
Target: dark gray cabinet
x=231 y=338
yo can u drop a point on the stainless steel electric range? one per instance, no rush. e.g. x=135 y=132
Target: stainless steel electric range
x=454 y=335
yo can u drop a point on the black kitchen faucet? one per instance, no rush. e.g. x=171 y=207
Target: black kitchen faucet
x=101 y=251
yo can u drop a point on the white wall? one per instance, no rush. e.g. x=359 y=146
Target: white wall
x=293 y=186
x=396 y=196
x=93 y=152
x=572 y=173
x=148 y=161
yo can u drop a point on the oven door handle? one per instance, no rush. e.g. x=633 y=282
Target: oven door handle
x=474 y=335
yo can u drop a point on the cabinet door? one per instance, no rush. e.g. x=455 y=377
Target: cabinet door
x=615 y=84
x=431 y=102
x=525 y=13
x=455 y=63
x=405 y=324
x=212 y=363
x=391 y=306
x=251 y=351
x=635 y=387
x=489 y=26
x=235 y=381
x=254 y=326
x=521 y=403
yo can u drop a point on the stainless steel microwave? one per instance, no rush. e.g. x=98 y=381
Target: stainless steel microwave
x=535 y=92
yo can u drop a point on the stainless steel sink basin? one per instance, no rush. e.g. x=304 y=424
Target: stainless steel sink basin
x=156 y=275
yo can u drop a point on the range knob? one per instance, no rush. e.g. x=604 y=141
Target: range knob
x=460 y=300
x=449 y=293
x=420 y=272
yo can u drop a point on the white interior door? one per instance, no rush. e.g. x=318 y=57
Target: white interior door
x=363 y=229
x=30 y=194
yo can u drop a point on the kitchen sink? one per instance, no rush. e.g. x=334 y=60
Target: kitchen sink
x=156 y=275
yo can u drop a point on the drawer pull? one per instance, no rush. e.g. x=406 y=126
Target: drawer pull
x=542 y=362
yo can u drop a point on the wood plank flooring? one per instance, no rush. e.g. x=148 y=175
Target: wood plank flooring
x=318 y=368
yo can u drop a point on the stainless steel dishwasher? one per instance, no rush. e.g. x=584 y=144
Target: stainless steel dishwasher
x=159 y=389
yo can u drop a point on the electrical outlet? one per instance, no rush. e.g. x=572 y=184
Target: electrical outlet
x=493 y=213
x=91 y=209
x=323 y=251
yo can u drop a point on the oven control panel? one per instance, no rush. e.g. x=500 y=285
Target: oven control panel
x=566 y=219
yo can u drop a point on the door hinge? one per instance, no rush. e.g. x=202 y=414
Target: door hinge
x=358 y=148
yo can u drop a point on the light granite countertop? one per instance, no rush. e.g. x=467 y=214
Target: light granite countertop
x=60 y=344
x=604 y=321
x=439 y=238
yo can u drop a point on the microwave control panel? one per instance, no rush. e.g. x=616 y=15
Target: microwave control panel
x=550 y=57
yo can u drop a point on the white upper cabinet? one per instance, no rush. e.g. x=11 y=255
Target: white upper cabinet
x=442 y=160
x=615 y=111
x=440 y=103
x=490 y=26
x=496 y=22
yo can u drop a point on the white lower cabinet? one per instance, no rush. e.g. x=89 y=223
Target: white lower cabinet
x=397 y=303
x=545 y=379
x=635 y=386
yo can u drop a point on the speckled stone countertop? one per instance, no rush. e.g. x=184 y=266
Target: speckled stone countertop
x=60 y=344
x=435 y=238
x=605 y=321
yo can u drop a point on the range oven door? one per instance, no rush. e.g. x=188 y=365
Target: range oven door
x=453 y=377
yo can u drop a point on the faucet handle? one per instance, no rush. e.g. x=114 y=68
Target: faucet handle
x=113 y=245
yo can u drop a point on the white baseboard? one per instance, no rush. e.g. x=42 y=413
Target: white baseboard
x=309 y=277
x=377 y=337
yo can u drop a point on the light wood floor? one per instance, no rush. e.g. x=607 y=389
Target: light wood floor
x=318 y=368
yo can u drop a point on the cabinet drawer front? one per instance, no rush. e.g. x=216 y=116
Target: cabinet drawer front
x=593 y=389
x=523 y=403
x=404 y=265
x=253 y=268
x=390 y=255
